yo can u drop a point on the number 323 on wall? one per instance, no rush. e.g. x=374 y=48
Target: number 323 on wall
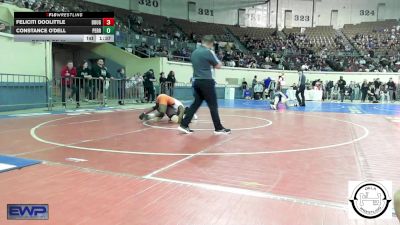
x=301 y=18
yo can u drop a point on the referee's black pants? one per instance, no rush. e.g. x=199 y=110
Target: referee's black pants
x=204 y=90
x=300 y=91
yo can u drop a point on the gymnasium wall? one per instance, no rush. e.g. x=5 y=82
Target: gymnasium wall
x=7 y=12
x=223 y=11
x=32 y=64
x=226 y=11
x=349 y=12
x=130 y=62
x=24 y=57
x=353 y=12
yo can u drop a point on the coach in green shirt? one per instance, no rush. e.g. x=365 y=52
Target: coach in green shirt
x=204 y=62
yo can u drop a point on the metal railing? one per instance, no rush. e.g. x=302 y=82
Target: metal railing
x=179 y=58
x=19 y=92
x=167 y=88
x=24 y=91
x=99 y=91
x=71 y=92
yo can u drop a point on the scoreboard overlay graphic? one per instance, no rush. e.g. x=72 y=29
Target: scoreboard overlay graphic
x=64 y=27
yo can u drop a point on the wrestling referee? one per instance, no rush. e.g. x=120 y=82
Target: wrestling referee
x=204 y=61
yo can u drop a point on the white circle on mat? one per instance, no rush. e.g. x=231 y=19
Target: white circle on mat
x=266 y=123
x=237 y=153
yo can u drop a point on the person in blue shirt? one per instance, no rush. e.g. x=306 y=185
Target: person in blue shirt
x=247 y=94
x=267 y=82
x=268 y=91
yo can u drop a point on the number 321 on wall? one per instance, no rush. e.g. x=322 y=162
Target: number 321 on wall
x=206 y=12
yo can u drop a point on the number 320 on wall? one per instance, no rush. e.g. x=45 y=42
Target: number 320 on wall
x=151 y=3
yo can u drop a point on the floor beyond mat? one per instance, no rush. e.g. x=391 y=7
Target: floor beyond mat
x=11 y=163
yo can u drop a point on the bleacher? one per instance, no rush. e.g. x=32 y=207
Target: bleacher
x=255 y=38
x=381 y=37
x=315 y=38
x=253 y=32
x=200 y=28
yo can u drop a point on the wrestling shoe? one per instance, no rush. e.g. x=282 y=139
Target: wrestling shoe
x=185 y=130
x=223 y=131
x=141 y=117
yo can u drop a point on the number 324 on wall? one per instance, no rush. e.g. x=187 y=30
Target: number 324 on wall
x=367 y=12
x=151 y=3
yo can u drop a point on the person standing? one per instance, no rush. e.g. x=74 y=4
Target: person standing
x=138 y=91
x=68 y=76
x=356 y=90
x=244 y=87
x=85 y=80
x=301 y=88
x=384 y=93
x=342 y=88
x=253 y=83
x=364 y=90
x=204 y=61
x=148 y=80
x=267 y=82
x=377 y=85
x=392 y=90
x=258 y=91
x=267 y=87
x=171 y=82
x=163 y=85
x=120 y=81
x=100 y=73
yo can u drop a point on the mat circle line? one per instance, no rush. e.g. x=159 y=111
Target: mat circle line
x=365 y=134
x=269 y=123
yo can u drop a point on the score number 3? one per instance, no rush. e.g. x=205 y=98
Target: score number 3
x=108 y=21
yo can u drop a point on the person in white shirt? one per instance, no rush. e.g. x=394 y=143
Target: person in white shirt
x=258 y=91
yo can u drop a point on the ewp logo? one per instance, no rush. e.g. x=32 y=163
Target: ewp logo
x=27 y=211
